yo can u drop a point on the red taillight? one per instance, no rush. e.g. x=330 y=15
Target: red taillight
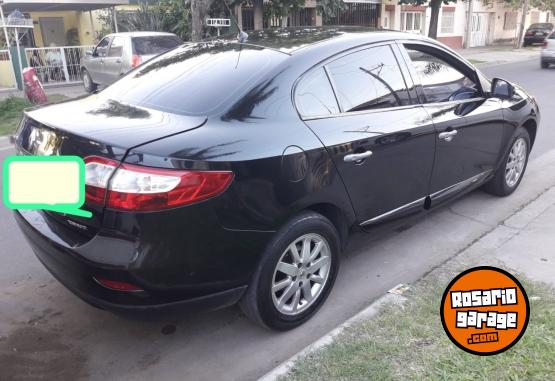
x=135 y=60
x=529 y=33
x=133 y=187
x=117 y=285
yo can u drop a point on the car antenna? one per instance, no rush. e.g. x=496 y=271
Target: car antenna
x=242 y=36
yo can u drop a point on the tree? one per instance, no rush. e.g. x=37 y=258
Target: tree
x=330 y=8
x=435 y=6
x=198 y=14
x=281 y=8
x=175 y=17
x=171 y=16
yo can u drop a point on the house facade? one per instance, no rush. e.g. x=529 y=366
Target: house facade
x=56 y=28
x=495 y=22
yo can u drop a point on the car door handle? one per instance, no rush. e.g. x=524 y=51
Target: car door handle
x=448 y=135
x=355 y=157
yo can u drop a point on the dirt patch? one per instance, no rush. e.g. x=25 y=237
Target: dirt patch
x=30 y=353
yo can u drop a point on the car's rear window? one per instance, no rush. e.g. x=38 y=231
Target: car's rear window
x=196 y=79
x=150 y=45
x=541 y=26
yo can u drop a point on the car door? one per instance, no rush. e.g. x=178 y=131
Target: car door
x=113 y=61
x=94 y=66
x=469 y=125
x=364 y=110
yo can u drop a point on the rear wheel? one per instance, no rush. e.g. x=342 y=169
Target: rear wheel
x=295 y=275
x=510 y=173
x=545 y=65
x=88 y=83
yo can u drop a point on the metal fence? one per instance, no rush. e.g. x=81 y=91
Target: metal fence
x=57 y=65
x=359 y=14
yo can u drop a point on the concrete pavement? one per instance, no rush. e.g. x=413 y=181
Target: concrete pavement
x=71 y=91
x=495 y=55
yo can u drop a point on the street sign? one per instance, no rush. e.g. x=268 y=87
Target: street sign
x=218 y=23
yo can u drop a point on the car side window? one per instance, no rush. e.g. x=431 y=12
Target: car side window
x=116 y=48
x=314 y=95
x=441 y=82
x=102 y=47
x=369 y=79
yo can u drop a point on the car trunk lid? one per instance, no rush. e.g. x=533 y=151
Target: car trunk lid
x=89 y=127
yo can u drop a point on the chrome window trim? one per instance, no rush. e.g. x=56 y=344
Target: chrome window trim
x=335 y=57
x=451 y=103
x=362 y=112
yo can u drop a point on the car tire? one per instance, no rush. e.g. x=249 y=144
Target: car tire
x=282 y=301
x=88 y=83
x=514 y=162
x=544 y=64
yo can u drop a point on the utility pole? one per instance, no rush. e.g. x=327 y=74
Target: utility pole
x=469 y=24
x=522 y=28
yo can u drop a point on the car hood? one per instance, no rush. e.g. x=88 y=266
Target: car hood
x=112 y=122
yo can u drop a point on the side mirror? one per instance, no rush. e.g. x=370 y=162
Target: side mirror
x=502 y=89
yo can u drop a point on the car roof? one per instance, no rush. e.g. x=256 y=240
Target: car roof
x=293 y=40
x=141 y=34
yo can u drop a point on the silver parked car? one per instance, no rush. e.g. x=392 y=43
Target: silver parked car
x=118 y=53
x=548 y=51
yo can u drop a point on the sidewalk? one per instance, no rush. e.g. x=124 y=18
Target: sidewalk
x=71 y=91
x=401 y=336
x=495 y=55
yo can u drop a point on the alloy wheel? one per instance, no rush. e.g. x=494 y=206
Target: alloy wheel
x=86 y=81
x=301 y=274
x=516 y=162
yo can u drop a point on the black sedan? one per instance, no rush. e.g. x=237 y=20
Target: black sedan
x=225 y=172
x=537 y=33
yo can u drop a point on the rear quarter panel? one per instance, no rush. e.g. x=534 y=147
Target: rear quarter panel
x=280 y=166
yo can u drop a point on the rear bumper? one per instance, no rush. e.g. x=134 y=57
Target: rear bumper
x=534 y=39
x=76 y=273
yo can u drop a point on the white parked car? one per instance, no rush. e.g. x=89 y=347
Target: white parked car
x=548 y=51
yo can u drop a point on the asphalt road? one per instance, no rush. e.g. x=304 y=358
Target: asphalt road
x=47 y=333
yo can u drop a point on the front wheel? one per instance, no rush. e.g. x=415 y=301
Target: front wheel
x=295 y=275
x=88 y=83
x=509 y=175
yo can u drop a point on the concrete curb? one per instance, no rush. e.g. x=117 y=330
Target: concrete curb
x=504 y=62
x=366 y=314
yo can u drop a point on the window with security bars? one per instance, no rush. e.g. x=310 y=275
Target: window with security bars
x=447 y=22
